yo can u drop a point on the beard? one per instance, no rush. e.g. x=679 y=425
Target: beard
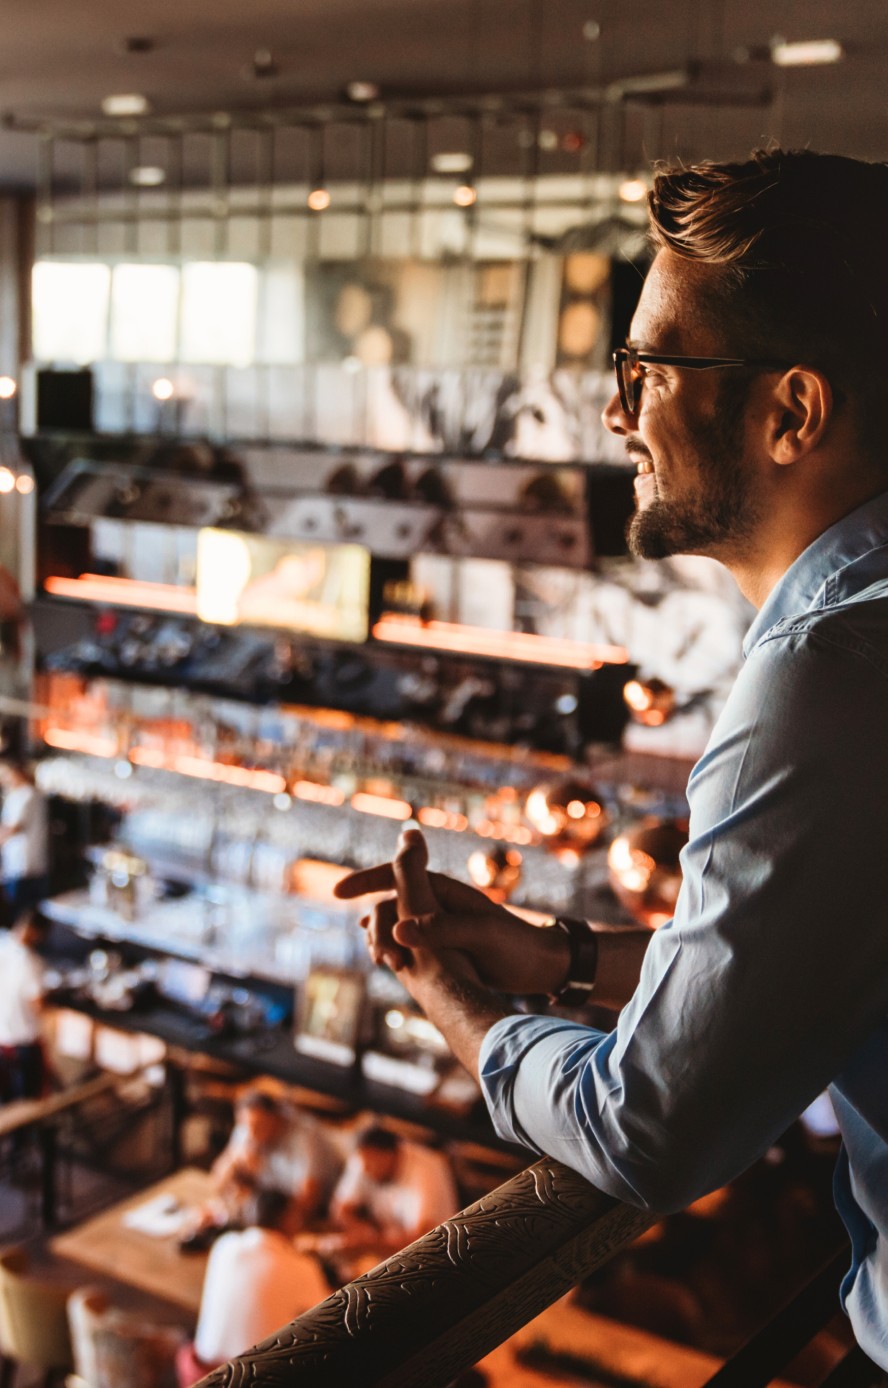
x=717 y=513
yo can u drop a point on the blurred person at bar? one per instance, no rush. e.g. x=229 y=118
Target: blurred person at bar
x=24 y=839
x=751 y=399
x=272 y=1146
x=22 y=1066
x=391 y=1192
x=255 y=1283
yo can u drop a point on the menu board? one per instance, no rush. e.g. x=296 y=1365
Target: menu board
x=251 y=580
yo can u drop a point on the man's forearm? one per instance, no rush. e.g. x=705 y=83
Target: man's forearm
x=462 y=1011
x=620 y=957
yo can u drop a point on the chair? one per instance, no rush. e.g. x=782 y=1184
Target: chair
x=117 y=1349
x=33 y=1322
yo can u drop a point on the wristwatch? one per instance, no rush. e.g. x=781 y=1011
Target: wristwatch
x=579 y=984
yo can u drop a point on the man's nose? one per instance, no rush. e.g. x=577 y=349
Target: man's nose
x=615 y=418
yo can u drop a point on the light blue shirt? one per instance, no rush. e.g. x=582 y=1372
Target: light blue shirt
x=771 y=981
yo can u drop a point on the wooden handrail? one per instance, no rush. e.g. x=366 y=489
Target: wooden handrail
x=438 y=1306
x=26 y=1113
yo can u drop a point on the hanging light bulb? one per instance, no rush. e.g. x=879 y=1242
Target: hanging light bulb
x=644 y=869
x=465 y=195
x=497 y=871
x=318 y=199
x=569 y=814
x=650 y=701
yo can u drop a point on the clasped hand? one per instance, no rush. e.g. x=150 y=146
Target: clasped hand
x=431 y=925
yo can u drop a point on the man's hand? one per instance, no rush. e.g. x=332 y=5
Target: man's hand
x=431 y=912
x=442 y=977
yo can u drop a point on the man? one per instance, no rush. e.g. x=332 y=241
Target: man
x=751 y=398
x=255 y=1283
x=24 y=836
x=271 y=1147
x=390 y=1193
x=21 y=1003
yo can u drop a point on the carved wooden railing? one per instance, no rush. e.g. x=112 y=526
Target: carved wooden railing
x=441 y=1304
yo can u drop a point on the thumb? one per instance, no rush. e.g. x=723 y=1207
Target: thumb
x=410 y=870
x=436 y=932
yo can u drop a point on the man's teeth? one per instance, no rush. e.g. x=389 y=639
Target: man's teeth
x=644 y=465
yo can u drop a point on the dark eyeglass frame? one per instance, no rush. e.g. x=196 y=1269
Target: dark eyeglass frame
x=630 y=381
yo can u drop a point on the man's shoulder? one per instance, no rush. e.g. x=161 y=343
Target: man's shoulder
x=857 y=625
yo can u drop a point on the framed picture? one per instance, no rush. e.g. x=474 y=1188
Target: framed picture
x=329 y=1012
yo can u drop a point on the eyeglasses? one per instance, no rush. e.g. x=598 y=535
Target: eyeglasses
x=629 y=366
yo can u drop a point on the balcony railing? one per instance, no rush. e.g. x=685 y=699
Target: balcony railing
x=435 y=1308
x=438 y=1306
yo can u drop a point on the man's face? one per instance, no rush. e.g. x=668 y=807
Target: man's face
x=263 y=1128
x=694 y=493
x=379 y=1165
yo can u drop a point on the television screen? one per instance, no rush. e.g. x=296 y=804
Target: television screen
x=322 y=590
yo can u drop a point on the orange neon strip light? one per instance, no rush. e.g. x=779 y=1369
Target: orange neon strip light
x=125 y=592
x=209 y=770
x=508 y=645
x=91 y=743
x=383 y=805
x=317 y=793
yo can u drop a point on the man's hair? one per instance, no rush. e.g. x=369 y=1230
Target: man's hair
x=269 y=1208
x=797 y=243
x=379 y=1138
x=259 y=1101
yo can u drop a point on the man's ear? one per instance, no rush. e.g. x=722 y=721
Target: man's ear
x=801 y=410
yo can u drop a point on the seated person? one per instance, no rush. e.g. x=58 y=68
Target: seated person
x=272 y=1147
x=255 y=1284
x=391 y=1192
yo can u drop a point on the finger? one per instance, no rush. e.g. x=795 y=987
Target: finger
x=379 y=937
x=410 y=868
x=436 y=932
x=374 y=879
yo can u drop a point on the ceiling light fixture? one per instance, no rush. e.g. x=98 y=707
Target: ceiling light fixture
x=7 y=387
x=454 y=161
x=632 y=190
x=147 y=176
x=126 y=104
x=806 y=53
x=318 y=199
x=260 y=66
x=362 y=91
x=163 y=388
x=465 y=195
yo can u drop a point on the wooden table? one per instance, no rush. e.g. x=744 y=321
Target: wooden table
x=109 y=1246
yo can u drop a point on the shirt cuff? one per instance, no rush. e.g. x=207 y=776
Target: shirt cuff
x=502 y=1052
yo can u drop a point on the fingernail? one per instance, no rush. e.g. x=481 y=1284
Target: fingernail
x=391 y=962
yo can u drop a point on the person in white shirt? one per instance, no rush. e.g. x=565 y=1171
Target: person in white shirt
x=391 y=1192
x=21 y=1001
x=273 y=1146
x=24 y=837
x=255 y=1284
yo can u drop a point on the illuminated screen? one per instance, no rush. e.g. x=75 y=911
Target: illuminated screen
x=319 y=589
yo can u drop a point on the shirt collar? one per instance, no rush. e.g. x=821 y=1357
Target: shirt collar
x=842 y=561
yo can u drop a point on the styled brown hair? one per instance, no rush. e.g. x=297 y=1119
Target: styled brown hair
x=797 y=241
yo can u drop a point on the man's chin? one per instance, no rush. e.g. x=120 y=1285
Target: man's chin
x=649 y=534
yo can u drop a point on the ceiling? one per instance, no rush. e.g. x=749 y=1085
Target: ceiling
x=58 y=60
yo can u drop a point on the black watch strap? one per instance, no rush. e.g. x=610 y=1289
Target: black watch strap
x=579 y=985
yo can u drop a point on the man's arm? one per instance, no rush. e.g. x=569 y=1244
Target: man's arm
x=771 y=974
